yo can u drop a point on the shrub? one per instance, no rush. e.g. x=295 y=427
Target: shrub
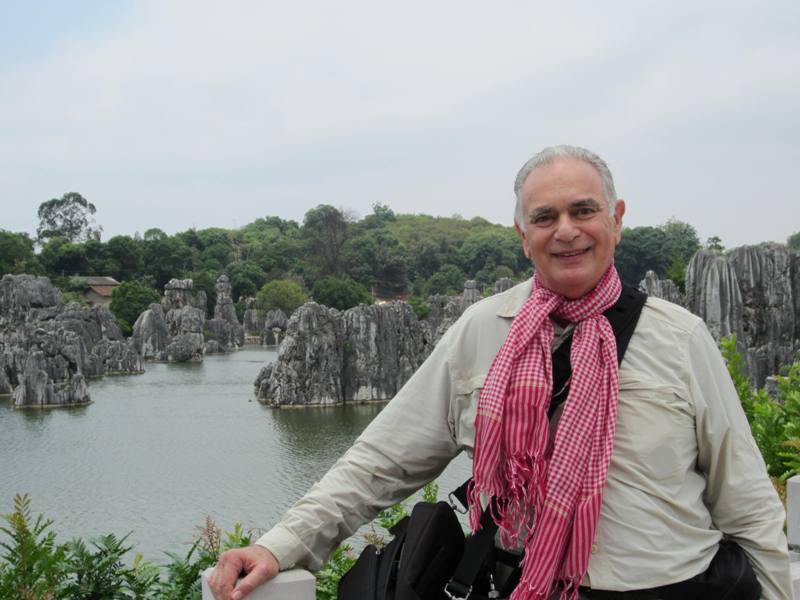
x=775 y=423
x=340 y=293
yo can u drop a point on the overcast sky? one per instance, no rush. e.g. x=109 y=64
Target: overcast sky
x=198 y=114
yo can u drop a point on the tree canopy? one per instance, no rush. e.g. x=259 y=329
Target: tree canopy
x=340 y=293
x=68 y=217
x=129 y=300
x=281 y=294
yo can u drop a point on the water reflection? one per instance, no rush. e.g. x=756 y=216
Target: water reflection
x=316 y=433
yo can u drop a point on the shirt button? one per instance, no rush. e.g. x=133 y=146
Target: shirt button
x=594 y=548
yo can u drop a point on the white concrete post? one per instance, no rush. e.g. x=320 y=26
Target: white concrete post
x=296 y=584
x=793 y=511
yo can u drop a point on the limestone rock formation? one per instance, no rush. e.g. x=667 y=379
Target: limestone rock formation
x=502 y=284
x=471 y=294
x=445 y=310
x=224 y=332
x=275 y=323
x=150 y=336
x=173 y=331
x=179 y=293
x=185 y=327
x=310 y=361
x=384 y=345
x=661 y=288
x=330 y=357
x=751 y=291
x=48 y=349
x=253 y=320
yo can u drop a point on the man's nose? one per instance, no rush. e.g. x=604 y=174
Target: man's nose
x=566 y=230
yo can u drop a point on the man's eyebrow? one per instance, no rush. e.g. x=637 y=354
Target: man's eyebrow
x=582 y=203
x=542 y=210
x=585 y=202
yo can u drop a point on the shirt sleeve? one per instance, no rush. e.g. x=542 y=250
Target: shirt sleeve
x=407 y=445
x=739 y=494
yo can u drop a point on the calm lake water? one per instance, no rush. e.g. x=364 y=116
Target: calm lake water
x=155 y=453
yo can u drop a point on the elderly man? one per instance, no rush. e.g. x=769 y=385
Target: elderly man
x=648 y=483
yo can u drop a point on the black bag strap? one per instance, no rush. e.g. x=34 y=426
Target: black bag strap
x=623 y=317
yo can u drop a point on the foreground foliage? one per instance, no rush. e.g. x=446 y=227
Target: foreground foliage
x=775 y=422
x=34 y=567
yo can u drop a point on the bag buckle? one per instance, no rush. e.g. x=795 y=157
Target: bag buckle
x=452 y=596
x=455 y=504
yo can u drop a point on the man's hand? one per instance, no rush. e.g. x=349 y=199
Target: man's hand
x=257 y=562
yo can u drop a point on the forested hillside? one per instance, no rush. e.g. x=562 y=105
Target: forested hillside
x=381 y=255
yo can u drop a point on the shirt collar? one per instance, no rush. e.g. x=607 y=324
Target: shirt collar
x=514 y=299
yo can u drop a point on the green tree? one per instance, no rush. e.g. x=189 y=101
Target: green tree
x=61 y=258
x=448 y=280
x=165 y=258
x=284 y=294
x=640 y=250
x=125 y=257
x=154 y=233
x=487 y=249
x=715 y=243
x=68 y=217
x=340 y=293
x=16 y=254
x=325 y=230
x=246 y=278
x=129 y=300
x=793 y=241
x=35 y=562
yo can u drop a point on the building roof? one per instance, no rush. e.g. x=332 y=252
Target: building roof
x=98 y=280
x=102 y=290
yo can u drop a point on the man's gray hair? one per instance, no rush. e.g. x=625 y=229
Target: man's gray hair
x=550 y=154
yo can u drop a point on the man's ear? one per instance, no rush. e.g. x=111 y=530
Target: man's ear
x=522 y=238
x=619 y=212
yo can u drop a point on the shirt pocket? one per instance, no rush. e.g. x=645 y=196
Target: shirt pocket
x=655 y=434
x=463 y=409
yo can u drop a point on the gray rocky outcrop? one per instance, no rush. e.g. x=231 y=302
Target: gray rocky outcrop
x=173 y=330
x=223 y=333
x=502 y=284
x=179 y=293
x=752 y=292
x=661 y=288
x=274 y=325
x=310 y=361
x=49 y=349
x=150 y=335
x=445 y=310
x=185 y=327
x=253 y=319
x=470 y=295
x=362 y=354
x=330 y=357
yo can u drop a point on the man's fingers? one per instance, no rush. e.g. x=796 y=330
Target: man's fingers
x=224 y=576
x=260 y=573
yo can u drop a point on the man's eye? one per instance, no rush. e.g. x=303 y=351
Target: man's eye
x=585 y=211
x=542 y=220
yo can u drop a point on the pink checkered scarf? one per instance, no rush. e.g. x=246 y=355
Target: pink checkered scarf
x=550 y=499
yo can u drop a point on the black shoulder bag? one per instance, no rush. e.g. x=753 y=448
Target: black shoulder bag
x=429 y=557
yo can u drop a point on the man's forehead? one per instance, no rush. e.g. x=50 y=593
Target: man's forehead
x=563 y=175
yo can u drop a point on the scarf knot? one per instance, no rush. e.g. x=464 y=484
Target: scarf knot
x=548 y=494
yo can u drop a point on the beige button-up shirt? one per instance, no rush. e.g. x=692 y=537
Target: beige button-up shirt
x=684 y=469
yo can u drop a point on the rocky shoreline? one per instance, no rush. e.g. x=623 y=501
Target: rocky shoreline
x=49 y=348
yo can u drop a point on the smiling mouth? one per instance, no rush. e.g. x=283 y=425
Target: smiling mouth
x=570 y=253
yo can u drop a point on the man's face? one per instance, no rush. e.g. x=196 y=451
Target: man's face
x=569 y=233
